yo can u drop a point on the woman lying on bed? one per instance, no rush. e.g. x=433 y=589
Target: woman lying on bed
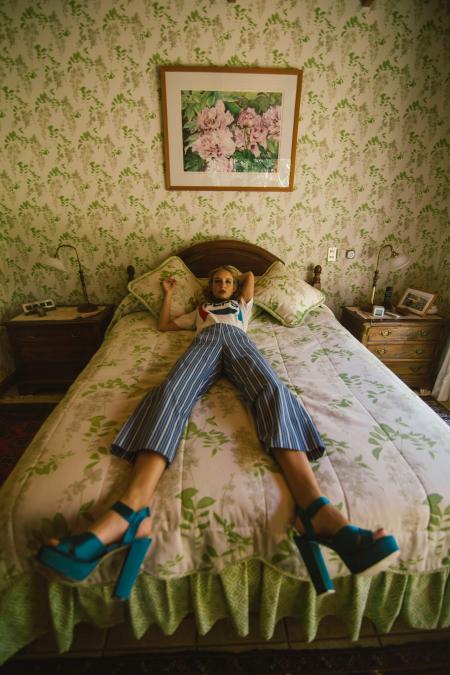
x=151 y=435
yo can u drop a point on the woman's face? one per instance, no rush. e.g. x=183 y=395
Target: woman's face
x=222 y=285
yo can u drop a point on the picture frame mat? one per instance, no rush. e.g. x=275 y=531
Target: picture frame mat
x=175 y=81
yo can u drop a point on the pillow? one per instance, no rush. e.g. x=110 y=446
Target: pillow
x=186 y=295
x=285 y=295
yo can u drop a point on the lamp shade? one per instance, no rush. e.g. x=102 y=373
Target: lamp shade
x=400 y=261
x=56 y=263
x=395 y=261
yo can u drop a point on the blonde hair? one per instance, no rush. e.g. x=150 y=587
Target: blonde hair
x=209 y=295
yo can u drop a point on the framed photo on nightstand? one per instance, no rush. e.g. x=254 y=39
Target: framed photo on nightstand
x=416 y=302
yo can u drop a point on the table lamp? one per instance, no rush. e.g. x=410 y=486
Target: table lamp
x=56 y=263
x=398 y=260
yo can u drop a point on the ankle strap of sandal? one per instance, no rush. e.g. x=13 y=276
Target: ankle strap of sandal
x=307 y=514
x=134 y=519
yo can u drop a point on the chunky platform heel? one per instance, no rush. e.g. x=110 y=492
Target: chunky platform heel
x=315 y=564
x=76 y=557
x=130 y=568
x=357 y=548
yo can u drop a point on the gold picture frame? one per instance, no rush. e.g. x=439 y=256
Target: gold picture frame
x=230 y=128
x=416 y=302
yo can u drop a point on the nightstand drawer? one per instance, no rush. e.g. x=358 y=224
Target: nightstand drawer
x=409 y=346
x=418 y=374
x=47 y=335
x=405 y=350
x=45 y=353
x=49 y=341
x=410 y=367
x=50 y=351
x=381 y=333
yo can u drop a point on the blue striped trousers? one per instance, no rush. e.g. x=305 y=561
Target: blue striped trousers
x=159 y=420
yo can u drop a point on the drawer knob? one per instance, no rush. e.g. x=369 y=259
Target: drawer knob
x=385 y=332
x=416 y=369
x=424 y=332
x=381 y=351
x=419 y=350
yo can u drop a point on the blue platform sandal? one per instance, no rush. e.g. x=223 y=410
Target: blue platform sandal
x=76 y=557
x=360 y=552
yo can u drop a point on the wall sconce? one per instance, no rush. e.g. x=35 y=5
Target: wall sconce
x=56 y=263
x=399 y=260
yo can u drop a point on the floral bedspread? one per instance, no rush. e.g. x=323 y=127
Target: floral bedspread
x=224 y=499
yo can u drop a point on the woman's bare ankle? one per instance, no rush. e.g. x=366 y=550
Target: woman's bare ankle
x=329 y=520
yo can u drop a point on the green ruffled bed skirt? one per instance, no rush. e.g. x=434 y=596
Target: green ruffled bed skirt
x=31 y=607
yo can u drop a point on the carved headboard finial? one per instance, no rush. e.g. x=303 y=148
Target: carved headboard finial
x=130 y=272
x=316 y=278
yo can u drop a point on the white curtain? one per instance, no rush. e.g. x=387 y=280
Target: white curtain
x=441 y=389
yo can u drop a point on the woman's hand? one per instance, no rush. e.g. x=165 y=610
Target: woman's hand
x=165 y=322
x=168 y=285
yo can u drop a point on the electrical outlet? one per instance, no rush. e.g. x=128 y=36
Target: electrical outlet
x=332 y=253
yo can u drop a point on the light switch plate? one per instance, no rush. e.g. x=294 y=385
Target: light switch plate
x=332 y=253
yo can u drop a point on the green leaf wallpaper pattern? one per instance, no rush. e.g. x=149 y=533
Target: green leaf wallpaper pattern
x=81 y=140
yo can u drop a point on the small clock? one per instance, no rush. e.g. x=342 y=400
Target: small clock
x=378 y=311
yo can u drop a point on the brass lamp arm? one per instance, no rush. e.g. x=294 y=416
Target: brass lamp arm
x=376 y=275
x=80 y=269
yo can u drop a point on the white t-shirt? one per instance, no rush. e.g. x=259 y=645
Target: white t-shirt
x=236 y=313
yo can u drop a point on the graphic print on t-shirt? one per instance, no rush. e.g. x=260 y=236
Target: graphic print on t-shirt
x=222 y=307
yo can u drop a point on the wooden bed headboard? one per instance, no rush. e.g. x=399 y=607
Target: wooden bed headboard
x=203 y=257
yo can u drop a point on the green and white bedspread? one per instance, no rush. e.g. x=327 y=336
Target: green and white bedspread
x=222 y=512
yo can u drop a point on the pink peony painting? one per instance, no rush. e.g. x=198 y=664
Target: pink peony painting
x=231 y=131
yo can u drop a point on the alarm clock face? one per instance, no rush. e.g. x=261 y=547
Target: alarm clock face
x=378 y=311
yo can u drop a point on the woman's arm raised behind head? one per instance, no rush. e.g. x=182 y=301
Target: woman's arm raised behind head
x=247 y=286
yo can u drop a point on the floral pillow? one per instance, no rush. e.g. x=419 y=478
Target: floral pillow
x=186 y=295
x=285 y=295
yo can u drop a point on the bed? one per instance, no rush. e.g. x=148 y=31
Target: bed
x=222 y=513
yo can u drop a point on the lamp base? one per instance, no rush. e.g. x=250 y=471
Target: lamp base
x=87 y=307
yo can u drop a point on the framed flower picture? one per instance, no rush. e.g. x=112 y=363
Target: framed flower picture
x=230 y=128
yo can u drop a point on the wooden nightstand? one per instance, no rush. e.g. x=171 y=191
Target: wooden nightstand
x=410 y=347
x=50 y=351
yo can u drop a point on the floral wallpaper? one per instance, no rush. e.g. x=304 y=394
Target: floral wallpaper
x=82 y=155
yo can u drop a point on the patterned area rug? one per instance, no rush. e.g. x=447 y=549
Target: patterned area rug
x=427 y=658
x=18 y=425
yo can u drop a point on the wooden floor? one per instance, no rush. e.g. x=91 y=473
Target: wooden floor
x=91 y=641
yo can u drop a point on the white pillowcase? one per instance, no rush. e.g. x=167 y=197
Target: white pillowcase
x=285 y=295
